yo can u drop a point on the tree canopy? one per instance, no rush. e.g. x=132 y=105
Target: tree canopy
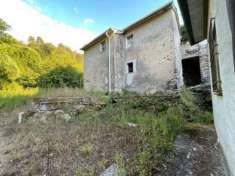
x=25 y=63
x=184 y=34
x=3 y=26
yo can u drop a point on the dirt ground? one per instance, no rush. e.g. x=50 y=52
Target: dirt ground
x=89 y=142
x=196 y=153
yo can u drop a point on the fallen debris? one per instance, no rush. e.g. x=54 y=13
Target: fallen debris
x=111 y=171
x=132 y=124
x=20 y=117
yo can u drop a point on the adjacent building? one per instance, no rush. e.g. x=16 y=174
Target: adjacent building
x=214 y=20
x=195 y=64
x=144 y=57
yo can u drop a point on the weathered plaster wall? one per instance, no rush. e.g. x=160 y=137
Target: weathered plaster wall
x=204 y=62
x=177 y=47
x=96 y=68
x=224 y=106
x=119 y=63
x=156 y=56
x=154 y=53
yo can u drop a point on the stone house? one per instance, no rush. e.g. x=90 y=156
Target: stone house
x=214 y=20
x=144 y=57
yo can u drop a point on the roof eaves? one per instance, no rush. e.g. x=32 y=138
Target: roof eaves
x=157 y=12
x=184 y=7
x=134 y=25
x=100 y=38
x=183 y=4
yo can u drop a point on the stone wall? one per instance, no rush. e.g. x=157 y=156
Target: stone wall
x=96 y=68
x=155 y=53
x=199 y=50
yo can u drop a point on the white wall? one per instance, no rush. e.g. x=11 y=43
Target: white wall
x=224 y=106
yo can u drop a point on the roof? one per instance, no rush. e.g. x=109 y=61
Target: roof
x=100 y=38
x=195 y=15
x=147 y=18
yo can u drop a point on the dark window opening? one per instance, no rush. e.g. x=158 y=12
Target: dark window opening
x=102 y=46
x=129 y=41
x=130 y=67
x=191 y=71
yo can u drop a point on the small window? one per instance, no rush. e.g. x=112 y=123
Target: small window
x=214 y=59
x=129 y=41
x=102 y=46
x=130 y=67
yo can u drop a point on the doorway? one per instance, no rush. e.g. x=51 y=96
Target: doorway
x=191 y=71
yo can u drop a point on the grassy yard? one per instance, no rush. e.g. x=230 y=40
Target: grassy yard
x=95 y=139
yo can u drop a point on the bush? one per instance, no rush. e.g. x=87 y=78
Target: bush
x=61 y=77
x=8 y=69
x=26 y=82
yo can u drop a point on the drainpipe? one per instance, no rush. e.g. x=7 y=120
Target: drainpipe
x=108 y=34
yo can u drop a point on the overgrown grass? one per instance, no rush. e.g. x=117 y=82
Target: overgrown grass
x=14 y=95
x=192 y=111
x=95 y=139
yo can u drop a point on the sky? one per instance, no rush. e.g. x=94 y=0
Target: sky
x=72 y=22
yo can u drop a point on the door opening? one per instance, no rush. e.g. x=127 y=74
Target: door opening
x=191 y=71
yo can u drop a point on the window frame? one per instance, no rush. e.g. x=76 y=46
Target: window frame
x=133 y=62
x=214 y=59
x=130 y=67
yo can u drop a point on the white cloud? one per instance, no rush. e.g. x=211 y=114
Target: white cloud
x=29 y=21
x=88 y=21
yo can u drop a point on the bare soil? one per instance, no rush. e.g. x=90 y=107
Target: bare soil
x=90 y=142
x=196 y=153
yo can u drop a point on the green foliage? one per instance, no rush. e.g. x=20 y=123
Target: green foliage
x=159 y=120
x=9 y=70
x=3 y=26
x=119 y=160
x=26 y=81
x=144 y=164
x=61 y=77
x=204 y=117
x=13 y=95
x=6 y=38
x=9 y=103
x=191 y=109
x=184 y=34
x=24 y=64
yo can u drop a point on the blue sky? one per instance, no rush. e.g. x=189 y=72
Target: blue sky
x=72 y=22
x=97 y=15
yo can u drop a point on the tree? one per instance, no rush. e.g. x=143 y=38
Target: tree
x=3 y=26
x=39 y=41
x=9 y=70
x=184 y=34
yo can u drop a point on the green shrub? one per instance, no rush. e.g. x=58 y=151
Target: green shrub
x=119 y=160
x=9 y=103
x=26 y=82
x=204 y=117
x=61 y=77
x=9 y=70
